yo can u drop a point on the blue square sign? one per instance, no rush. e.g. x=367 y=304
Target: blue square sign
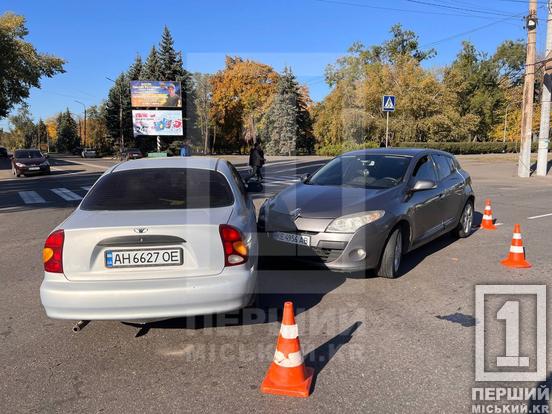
x=388 y=103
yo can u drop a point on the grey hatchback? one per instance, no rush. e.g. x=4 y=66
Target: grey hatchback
x=365 y=209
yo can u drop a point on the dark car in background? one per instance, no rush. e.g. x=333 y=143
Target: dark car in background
x=132 y=154
x=3 y=152
x=364 y=209
x=29 y=161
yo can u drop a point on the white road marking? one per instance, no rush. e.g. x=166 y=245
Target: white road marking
x=101 y=167
x=541 y=216
x=86 y=188
x=66 y=194
x=31 y=197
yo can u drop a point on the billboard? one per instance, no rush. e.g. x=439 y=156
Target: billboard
x=162 y=122
x=155 y=94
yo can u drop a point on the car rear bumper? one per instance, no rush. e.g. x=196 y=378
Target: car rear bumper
x=142 y=300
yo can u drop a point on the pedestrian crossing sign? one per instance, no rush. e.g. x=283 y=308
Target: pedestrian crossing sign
x=388 y=103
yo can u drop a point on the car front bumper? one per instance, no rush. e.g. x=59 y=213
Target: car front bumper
x=335 y=251
x=27 y=170
x=143 y=300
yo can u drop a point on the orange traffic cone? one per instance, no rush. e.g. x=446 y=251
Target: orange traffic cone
x=516 y=257
x=487 y=221
x=287 y=374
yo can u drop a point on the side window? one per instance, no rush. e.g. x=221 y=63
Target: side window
x=443 y=166
x=424 y=170
x=238 y=180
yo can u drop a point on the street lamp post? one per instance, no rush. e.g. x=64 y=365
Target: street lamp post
x=84 y=126
x=122 y=138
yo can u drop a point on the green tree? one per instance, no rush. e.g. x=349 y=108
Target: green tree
x=21 y=65
x=135 y=71
x=42 y=136
x=280 y=126
x=152 y=67
x=68 y=134
x=98 y=134
x=117 y=98
x=23 y=128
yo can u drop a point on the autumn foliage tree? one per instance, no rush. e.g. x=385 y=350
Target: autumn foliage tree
x=241 y=93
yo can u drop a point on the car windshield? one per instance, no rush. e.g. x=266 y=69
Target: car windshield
x=364 y=171
x=28 y=154
x=159 y=189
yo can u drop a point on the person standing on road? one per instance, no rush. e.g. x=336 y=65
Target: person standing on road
x=185 y=150
x=257 y=160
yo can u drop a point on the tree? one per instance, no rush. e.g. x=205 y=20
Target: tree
x=119 y=96
x=152 y=67
x=42 y=137
x=135 y=71
x=68 y=134
x=97 y=132
x=280 y=126
x=202 y=101
x=21 y=65
x=241 y=94
x=23 y=128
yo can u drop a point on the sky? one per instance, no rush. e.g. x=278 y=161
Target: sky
x=100 y=39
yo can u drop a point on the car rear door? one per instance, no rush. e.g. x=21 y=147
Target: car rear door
x=451 y=184
x=426 y=207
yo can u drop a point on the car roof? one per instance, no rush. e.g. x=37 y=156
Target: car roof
x=410 y=152
x=203 y=163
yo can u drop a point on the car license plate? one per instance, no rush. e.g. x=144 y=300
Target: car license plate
x=34 y=168
x=292 y=238
x=143 y=258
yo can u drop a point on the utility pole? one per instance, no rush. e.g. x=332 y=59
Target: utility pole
x=544 y=133
x=524 y=162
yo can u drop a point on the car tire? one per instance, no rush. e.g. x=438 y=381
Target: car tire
x=466 y=221
x=392 y=254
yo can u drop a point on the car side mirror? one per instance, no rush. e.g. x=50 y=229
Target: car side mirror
x=421 y=185
x=254 y=187
x=305 y=177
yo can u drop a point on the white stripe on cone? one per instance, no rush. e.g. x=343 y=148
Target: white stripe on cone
x=487 y=217
x=516 y=249
x=516 y=236
x=289 y=331
x=487 y=207
x=293 y=360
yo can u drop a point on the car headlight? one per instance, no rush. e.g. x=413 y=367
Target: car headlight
x=18 y=164
x=352 y=222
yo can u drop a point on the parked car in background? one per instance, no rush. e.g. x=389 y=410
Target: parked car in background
x=154 y=239
x=3 y=152
x=77 y=151
x=88 y=153
x=29 y=161
x=132 y=154
x=365 y=209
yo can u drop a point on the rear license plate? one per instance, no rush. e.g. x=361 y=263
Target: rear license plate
x=34 y=168
x=143 y=258
x=292 y=238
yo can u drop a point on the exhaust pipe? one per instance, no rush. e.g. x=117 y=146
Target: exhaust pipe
x=80 y=325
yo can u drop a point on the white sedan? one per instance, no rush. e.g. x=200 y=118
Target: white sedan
x=154 y=239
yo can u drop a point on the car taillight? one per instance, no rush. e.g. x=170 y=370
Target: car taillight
x=52 y=254
x=235 y=250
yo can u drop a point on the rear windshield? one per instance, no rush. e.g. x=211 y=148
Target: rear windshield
x=28 y=154
x=159 y=189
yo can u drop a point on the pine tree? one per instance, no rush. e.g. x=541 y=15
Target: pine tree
x=135 y=70
x=119 y=94
x=152 y=69
x=68 y=136
x=168 y=65
x=280 y=124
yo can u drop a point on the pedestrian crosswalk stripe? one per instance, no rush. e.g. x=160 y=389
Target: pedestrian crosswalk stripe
x=31 y=197
x=66 y=194
x=86 y=188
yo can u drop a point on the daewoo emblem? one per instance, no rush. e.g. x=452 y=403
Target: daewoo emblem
x=295 y=213
x=140 y=230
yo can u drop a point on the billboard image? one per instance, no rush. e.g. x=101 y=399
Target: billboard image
x=155 y=94
x=148 y=122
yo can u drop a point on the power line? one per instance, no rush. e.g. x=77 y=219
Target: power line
x=426 y=3
x=369 y=6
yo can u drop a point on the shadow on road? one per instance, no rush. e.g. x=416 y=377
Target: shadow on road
x=319 y=357
x=5 y=164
